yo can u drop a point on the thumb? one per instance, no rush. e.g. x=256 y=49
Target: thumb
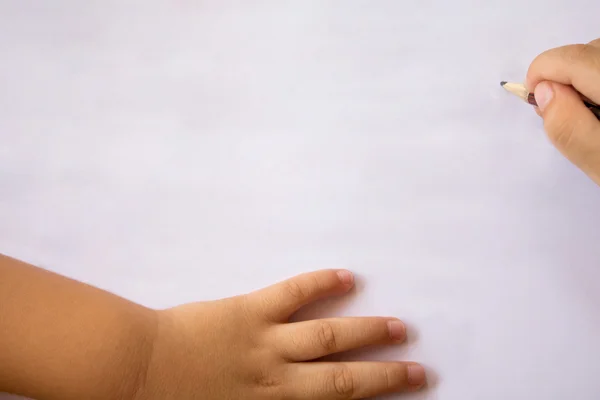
x=571 y=126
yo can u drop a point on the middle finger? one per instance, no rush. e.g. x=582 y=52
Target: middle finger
x=303 y=341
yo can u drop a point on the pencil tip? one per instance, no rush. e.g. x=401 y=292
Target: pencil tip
x=503 y=83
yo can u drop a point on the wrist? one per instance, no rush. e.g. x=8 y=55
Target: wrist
x=155 y=364
x=137 y=356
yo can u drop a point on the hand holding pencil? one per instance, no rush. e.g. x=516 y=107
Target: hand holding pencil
x=565 y=83
x=519 y=89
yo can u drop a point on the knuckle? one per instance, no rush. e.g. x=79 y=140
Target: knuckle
x=395 y=377
x=586 y=53
x=572 y=56
x=586 y=50
x=389 y=381
x=327 y=338
x=269 y=383
x=294 y=289
x=343 y=382
x=252 y=310
x=577 y=52
x=267 y=380
x=316 y=282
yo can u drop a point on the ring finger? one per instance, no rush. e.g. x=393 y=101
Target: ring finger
x=353 y=380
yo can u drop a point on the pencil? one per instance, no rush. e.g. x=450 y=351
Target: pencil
x=521 y=91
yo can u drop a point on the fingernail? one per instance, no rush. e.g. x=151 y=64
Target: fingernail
x=346 y=277
x=543 y=95
x=416 y=375
x=397 y=329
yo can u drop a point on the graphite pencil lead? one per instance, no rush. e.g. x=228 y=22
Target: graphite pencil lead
x=503 y=83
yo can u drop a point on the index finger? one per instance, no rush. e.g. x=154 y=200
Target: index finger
x=576 y=65
x=278 y=302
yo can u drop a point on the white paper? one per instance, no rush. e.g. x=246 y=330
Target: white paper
x=181 y=151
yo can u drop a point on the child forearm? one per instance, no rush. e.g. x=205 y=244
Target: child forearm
x=61 y=339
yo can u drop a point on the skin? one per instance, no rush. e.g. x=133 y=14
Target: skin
x=557 y=74
x=62 y=339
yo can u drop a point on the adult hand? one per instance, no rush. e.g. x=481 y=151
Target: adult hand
x=554 y=77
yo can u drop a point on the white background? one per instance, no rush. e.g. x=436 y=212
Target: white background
x=189 y=150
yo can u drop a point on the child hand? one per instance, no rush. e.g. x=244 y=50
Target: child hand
x=244 y=348
x=572 y=127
